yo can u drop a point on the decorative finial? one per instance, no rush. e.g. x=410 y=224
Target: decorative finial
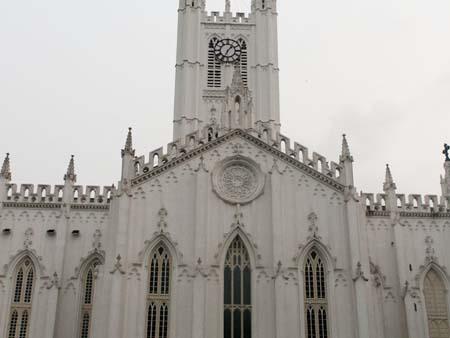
x=227 y=6
x=346 y=155
x=446 y=152
x=128 y=144
x=6 y=169
x=389 y=183
x=70 y=175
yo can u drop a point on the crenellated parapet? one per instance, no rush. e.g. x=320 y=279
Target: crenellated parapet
x=43 y=195
x=412 y=205
x=195 y=143
x=224 y=17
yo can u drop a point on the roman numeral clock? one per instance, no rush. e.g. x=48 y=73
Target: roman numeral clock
x=227 y=51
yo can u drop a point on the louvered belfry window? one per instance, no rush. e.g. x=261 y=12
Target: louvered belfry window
x=87 y=300
x=315 y=291
x=158 y=293
x=243 y=62
x=436 y=305
x=214 y=76
x=22 y=298
x=237 y=292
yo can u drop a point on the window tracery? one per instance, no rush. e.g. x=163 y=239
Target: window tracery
x=21 y=304
x=87 y=299
x=315 y=292
x=237 y=292
x=158 y=293
x=436 y=305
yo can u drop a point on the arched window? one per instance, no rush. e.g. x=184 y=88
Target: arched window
x=315 y=291
x=436 y=305
x=243 y=62
x=214 y=66
x=87 y=298
x=237 y=317
x=22 y=298
x=158 y=293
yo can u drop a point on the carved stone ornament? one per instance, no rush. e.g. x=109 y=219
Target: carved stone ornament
x=238 y=180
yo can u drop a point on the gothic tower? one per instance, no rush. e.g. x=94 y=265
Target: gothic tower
x=212 y=50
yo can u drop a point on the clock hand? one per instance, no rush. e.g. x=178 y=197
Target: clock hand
x=226 y=49
x=232 y=51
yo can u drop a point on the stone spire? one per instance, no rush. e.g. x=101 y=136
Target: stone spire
x=346 y=155
x=70 y=175
x=6 y=169
x=389 y=183
x=128 y=149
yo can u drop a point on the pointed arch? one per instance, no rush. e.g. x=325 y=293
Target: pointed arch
x=250 y=245
x=158 y=291
x=315 y=295
x=88 y=276
x=23 y=286
x=323 y=250
x=161 y=238
x=434 y=284
x=17 y=259
x=237 y=291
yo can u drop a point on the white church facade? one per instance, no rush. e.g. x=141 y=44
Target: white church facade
x=232 y=230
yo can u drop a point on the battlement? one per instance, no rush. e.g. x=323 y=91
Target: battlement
x=412 y=203
x=281 y=144
x=224 y=17
x=42 y=193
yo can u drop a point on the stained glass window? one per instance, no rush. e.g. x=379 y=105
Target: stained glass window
x=237 y=292
x=24 y=280
x=158 y=294
x=316 y=307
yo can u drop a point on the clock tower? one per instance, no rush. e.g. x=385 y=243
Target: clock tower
x=226 y=69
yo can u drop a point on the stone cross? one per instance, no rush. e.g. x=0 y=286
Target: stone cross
x=446 y=152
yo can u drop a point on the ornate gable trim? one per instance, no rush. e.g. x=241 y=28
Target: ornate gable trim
x=330 y=182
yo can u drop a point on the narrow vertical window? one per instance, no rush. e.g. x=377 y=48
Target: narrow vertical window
x=243 y=62
x=436 y=305
x=87 y=299
x=158 y=294
x=315 y=291
x=214 y=76
x=237 y=317
x=24 y=280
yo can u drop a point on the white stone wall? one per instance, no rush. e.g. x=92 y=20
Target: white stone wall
x=294 y=213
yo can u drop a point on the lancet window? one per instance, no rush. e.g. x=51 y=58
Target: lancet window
x=22 y=297
x=315 y=292
x=237 y=292
x=87 y=299
x=158 y=293
x=436 y=305
x=214 y=66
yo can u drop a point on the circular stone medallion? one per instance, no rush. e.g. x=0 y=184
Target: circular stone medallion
x=238 y=180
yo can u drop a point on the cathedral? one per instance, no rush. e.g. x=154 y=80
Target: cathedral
x=232 y=230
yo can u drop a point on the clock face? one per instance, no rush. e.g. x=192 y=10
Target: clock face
x=227 y=51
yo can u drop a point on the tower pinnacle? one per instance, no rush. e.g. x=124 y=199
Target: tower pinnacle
x=346 y=155
x=128 y=149
x=70 y=175
x=389 y=183
x=6 y=169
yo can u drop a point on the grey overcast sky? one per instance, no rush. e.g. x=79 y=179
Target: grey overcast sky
x=75 y=74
